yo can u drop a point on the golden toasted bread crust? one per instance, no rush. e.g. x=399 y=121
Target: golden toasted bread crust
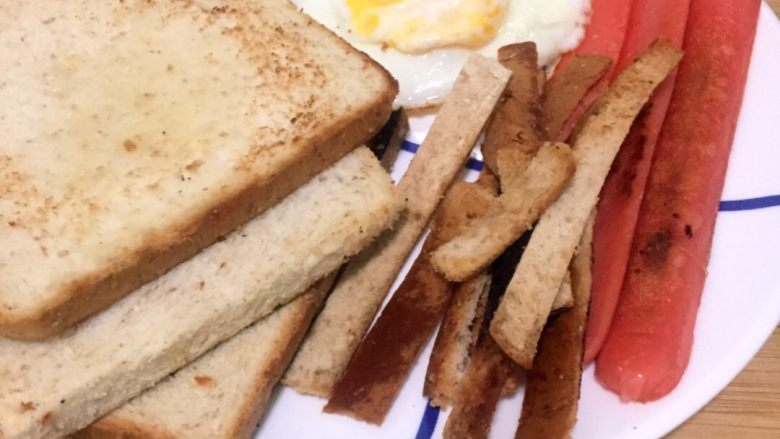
x=306 y=307
x=95 y=293
x=382 y=361
x=564 y=91
x=90 y=294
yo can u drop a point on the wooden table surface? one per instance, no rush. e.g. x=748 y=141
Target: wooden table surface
x=750 y=406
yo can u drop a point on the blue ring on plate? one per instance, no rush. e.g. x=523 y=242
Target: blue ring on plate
x=473 y=163
x=749 y=203
x=431 y=414
x=428 y=422
x=725 y=205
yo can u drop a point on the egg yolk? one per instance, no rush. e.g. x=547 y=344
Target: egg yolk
x=420 y=25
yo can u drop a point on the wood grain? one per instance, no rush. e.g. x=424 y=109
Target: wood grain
x=748 y=408
x=775 y=5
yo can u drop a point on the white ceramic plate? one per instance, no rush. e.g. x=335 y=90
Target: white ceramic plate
x=740 y=306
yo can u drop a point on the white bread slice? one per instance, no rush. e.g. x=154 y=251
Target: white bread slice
x=135 y=133
x=222 y=394
x=55 y=387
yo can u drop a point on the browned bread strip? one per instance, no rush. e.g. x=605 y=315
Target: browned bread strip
x=513 y=381
x=457 y=334
x=509 y=217
x=366 y=280
x=141 y=133
x=384 y=358
x=552 y=388
x=448 y=364
x=516 y=122
x=490 y=373
x=479 y=392
x=567 y=87
x=528 y=301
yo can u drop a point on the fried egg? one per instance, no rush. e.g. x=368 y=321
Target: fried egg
x=424 y=43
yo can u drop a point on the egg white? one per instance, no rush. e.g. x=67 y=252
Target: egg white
x=425 y=78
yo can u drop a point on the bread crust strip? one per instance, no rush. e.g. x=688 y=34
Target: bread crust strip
x=455 y=339
x=354 y=302
x=531 y=177
x=489 y=369
x=458 y=331
x=382 y=362
x=552 y=389
x=527 y=303
x=512 y=214
x=479 y=392
x=514 y=129
x=564 y=91
x=516 y=125
x=458 y=334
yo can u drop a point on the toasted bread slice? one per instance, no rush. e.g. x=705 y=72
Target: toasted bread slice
x=222 y=394
x=136 y=133
x=58 y=386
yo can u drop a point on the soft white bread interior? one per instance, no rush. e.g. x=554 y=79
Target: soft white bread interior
x=134 y=133
x=222 y=394
x=55 y=387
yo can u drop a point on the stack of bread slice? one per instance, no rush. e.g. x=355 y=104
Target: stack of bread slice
x=178 y=180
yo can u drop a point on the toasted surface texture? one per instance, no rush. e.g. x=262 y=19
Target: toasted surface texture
x=552 y=390
x=222 y=394
x=529 y=297
x=351 y=307
x=568 y=87
x=515 y=125
x=509 y=216
x=135 y=133
x=457 y=334
x=381 y=364
x=479 y=392
x=58 y=386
